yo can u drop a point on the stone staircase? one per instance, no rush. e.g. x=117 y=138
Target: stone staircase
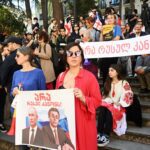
x=136 y=138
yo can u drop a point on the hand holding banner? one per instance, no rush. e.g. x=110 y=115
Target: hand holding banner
x=43 y=112
x=129 y=47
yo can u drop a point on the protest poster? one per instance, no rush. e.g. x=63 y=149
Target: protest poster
x=41 y=111
x=108 y=32
x=107 y=49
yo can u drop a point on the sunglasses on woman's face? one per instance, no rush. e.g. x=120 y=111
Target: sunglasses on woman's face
x=76 y=54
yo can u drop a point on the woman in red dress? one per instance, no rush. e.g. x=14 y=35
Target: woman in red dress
x=87 y=97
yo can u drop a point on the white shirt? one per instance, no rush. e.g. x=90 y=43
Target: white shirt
x=29 y=28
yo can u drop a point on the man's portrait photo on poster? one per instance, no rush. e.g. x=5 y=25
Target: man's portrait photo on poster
x=33 y=134
x=43 y=120
x=47 y=134
x=53 y=134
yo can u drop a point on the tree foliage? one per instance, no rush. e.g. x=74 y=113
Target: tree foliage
x=10 y=22
x=83 y=6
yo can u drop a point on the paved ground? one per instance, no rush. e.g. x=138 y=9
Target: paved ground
x=7 y=143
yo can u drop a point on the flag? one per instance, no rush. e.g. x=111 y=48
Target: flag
x=97 y=25
x=13 y=125
x=68 y=26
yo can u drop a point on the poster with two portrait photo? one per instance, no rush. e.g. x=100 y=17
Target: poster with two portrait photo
x=45 y=109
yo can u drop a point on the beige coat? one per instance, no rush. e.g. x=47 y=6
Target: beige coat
x=46 y=63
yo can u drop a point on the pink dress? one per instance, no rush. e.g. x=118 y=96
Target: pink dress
x=85 y=115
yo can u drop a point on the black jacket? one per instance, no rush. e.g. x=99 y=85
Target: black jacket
x=7 y=69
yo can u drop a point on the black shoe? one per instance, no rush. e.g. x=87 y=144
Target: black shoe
x=2 y=128
x=102 y=140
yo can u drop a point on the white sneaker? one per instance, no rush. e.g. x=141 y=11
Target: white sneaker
x=103 y=141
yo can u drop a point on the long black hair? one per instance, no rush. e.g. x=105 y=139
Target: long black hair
x=107 y=85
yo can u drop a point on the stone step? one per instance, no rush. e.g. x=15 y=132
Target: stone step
x=125 y=145
x=132 y=79
x=135 y=87
x=146 y=119
x=145 y=106
x=135 y=134
x=4 y=145
x=143 y=96
x=7 y=142
x=5 y=137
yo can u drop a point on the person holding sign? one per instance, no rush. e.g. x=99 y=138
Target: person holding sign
x=55 y=137
x=33 y=134
x=28 y=78
x=110 y=32
x=87 y=96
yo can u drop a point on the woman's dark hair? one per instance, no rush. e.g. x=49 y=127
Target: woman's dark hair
x=70 y=45
x=135 y=11
x=107 y=85
x=75 y=25
x=109 y=10
x=43 y=35
x=26 y=51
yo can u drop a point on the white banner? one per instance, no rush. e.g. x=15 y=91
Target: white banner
x=39 y=110
x=128 y=47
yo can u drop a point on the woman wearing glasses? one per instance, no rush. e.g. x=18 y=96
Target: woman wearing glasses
x=87 y=96
x=28 y=78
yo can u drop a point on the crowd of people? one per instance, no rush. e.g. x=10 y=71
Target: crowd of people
x=41 y=60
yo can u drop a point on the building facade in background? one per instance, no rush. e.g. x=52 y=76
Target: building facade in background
x=125 y=7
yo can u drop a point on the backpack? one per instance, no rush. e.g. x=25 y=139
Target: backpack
x=134 y=112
